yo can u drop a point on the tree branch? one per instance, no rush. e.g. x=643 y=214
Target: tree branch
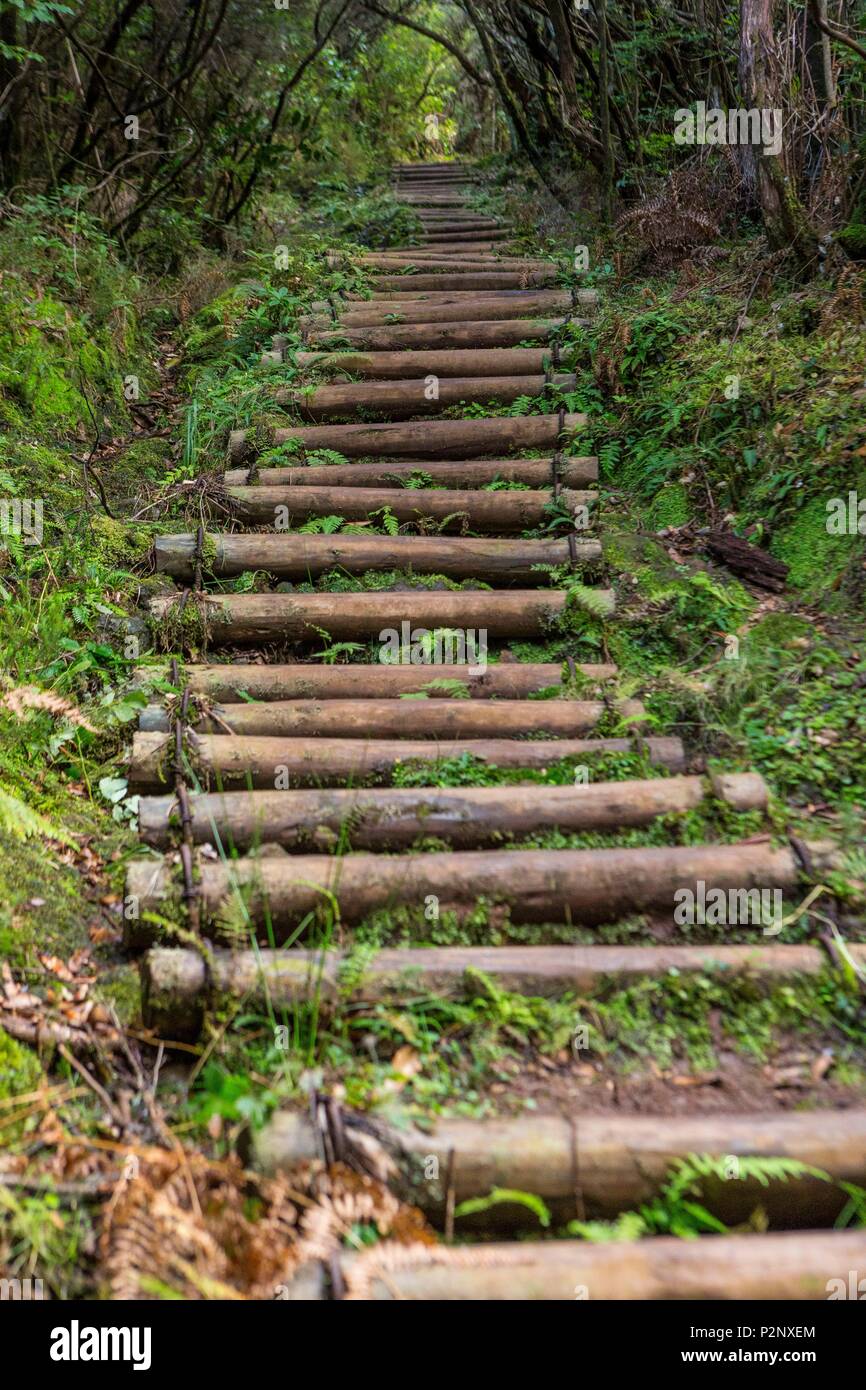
x=475 y=73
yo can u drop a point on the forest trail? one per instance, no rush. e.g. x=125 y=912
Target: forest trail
x=302 y=752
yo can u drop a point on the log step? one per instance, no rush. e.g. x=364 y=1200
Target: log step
x=736 y=1268
x=425 y=439
x=178 y=985
x=472 y=236
x=461 y=248
x=405 y=313
x=509 y=680
x=477 y=510
x=487 y=333
x=426 y=395
x=440 y=718
x=397 y=366
x=304 y=557
x=537 y=473
x=447 y=222
x=257 y=618
x=473 y=280
x=464 y=817
x=581 y=887
x=393 y=301
x=622 y=1161
x=228 y=760
x=431 y=262
x=484 y=308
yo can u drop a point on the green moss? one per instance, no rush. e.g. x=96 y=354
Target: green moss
x=118 y=544
x=815 y=557
x=20 y=1071
x=853 y=239
x=669 y=507
x=147 y=458
x=41 y=904
x=120 y=988
x=52 y=362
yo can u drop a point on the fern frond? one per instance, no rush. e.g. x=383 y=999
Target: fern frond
x=21 y=822
x=597 y=602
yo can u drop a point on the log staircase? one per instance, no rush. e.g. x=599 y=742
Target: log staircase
x=459 y=313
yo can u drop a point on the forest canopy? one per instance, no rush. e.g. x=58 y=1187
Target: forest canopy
x=151 y=111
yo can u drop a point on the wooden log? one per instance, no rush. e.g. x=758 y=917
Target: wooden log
x=583 y=887
x=469 y=237
x=778 y=1267
x=464 y=817
x=510 y=680
x=255 y=618
x=466 y=248
x=470 y=280
x=489 y=333
x=442 y=218
x=498 y=254
x=226 y=760
x=408 y=299
x=459 y=362
x=469 y=473
x=419 y=397
x=479 y=510
x=424 y=439
x=492 y=257
x=487 y=310
x=622 y=1161
x=438 y=718
x=304 y=557
x=445 y=222
x=178 y=985
x=431 y=263
x=395 y=301
x=468 y=214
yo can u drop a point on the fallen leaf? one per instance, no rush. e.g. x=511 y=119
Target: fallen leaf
x=406 y=1062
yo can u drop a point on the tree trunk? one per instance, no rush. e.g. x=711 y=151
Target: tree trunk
x=785 y=219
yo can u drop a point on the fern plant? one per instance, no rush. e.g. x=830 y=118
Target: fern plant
x=20 y=822
x=679 y=1211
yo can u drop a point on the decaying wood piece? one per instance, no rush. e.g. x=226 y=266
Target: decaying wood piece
x=747 y=560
